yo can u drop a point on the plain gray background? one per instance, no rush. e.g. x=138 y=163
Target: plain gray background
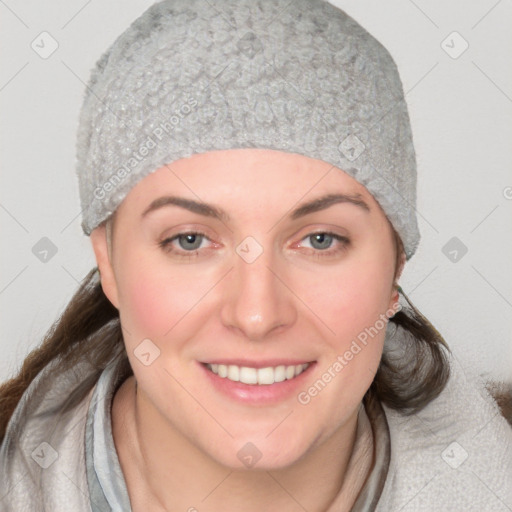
x=460 y=106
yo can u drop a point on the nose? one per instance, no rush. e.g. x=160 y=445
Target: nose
x=257 y=303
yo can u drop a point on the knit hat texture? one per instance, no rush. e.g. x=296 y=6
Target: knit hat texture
x=190 y=76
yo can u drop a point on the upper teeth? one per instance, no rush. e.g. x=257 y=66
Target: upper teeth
x=248 y=375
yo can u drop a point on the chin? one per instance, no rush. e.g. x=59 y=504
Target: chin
x=260 y=453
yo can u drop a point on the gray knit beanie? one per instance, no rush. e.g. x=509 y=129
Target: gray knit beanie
x=191 y=76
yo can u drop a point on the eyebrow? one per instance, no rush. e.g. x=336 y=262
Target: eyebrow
x=208 y=210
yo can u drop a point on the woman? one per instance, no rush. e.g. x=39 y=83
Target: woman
x=248 y=179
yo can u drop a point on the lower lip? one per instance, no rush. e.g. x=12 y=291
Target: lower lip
x=265 y=394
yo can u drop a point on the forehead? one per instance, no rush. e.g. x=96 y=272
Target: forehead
x=251 y=171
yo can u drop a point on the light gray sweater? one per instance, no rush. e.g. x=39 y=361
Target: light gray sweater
x=58 y=453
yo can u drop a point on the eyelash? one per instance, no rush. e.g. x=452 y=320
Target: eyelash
x=318 y=253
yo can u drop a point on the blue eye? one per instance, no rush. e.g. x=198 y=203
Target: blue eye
x=323 y=240
x=189 y=243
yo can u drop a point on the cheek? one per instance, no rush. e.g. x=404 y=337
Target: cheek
x=157 y=301
x=352 y=304
x=354 y=308
x=350 y=300
x=150 y=301
x=148 y=308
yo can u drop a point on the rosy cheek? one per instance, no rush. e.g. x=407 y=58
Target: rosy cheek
x=147 y=305
x=155 y=302
x=350 y=305
x=148 y=309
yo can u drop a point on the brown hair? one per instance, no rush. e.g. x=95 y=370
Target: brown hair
x=89 y=328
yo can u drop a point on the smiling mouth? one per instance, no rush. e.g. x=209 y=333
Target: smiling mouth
x=257 y=376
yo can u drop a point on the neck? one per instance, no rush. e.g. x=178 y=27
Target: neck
x=164 y=469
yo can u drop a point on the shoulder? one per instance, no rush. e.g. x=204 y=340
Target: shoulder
x=42 y=456
x=455 y=454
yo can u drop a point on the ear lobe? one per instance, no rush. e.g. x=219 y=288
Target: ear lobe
x=100 y=247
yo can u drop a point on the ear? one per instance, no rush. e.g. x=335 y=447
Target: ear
x=394 y=297
x=400 y=266
x=103 y=260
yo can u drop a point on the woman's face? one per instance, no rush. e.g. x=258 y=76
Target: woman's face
x=264 y=288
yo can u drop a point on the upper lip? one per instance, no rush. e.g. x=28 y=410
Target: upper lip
x=264 y=363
